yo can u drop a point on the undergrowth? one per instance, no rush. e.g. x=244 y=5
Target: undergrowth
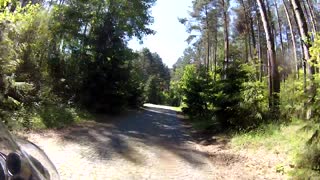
x=51 y=116
x=288 y=140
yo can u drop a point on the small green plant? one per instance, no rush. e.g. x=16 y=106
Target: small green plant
x=280 y=169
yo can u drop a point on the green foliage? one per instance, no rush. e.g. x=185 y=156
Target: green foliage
x=173 y=97
x=154 y=77
x=284 y=139
x=153 y=91
x=95 y=64
x=292 y=98
x=241 y=96
x=195 y=88
x=56 y=117
x=315 y=49
x=180 y=65
x=315 y=53
x=308 y=160
x=298 y=139
x=71 y=53
x=220 y=103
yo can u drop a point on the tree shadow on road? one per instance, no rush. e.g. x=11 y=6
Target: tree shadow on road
x=148 y=128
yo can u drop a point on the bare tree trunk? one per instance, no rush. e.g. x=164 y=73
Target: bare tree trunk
x=313 y=17
x=249 y=44
x=247 y=35
x=304 y=64
x=246 y=47
x=272 y=26
x=254 y=43
x=216 y=47
x=293 y=39
x=303 y=29
x=274 y=84
x=280 y=28
x=215 y=54
x=208 y=40
x=259 y=48
x=287 y=37
x=226 y=36
x=308 y=17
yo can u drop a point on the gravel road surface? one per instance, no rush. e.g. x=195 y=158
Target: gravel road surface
x=147 y=144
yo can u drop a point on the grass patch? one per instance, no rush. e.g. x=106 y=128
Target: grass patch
x=43 y=117
x=52 y=116
x=289 y=140
x=61 y=116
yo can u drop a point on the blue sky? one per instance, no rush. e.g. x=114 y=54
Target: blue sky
x=169 y=41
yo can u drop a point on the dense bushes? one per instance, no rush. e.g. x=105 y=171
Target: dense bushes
x=239 y=103
x=195 y=88
x=223 y=101
x=65 y=54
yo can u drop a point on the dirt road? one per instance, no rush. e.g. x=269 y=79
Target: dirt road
x=148 y=144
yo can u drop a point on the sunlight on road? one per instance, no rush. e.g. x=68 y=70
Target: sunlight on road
x=177 y=109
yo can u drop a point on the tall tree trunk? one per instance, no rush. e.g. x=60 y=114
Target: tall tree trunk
x=293 y=39
x=246 y=47
x=304 y=63
x=259 y=47
x=215 y=54
x=272 y=25
x=287 y=38
x=313 y=17
x=208 y=40
x=274 y=84
x=247 y=35
x=280 y=28
x=308 y=16
x=303 y=30
x=226 y=36
x=254 y=43
x=216 y=47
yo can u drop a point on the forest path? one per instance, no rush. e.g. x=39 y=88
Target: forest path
x=148 y=144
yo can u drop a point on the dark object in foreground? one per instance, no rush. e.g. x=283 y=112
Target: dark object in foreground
x=15 y=167
x=23 y=160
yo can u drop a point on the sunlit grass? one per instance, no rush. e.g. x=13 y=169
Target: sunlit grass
x=287 y=140
x=66 y=117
